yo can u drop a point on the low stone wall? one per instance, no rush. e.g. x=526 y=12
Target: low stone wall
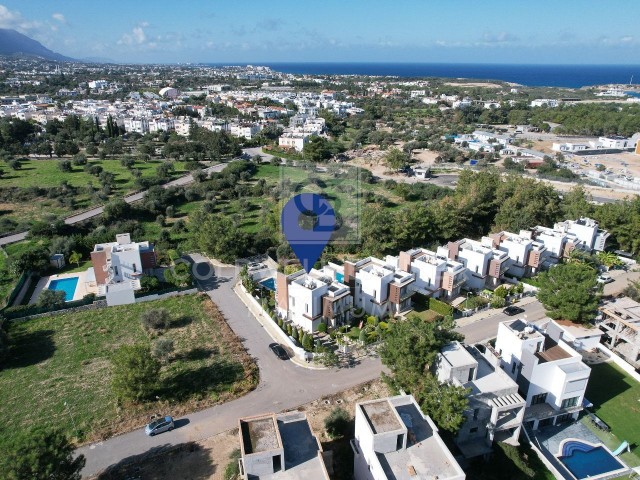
x=619 y=362
x=177 y=293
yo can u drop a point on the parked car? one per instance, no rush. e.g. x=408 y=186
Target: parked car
x=513 y=310
x=604 y=278
x=279 y=351
x=159 y=425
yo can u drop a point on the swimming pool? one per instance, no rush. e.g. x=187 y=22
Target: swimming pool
x=339 y=277
x=67 y=285
x=269 y=284
x=586 y=461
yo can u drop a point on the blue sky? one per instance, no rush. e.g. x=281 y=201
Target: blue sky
x=474 y=31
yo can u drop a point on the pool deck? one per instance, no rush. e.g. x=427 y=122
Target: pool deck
x=551 y=439
x=81 y=288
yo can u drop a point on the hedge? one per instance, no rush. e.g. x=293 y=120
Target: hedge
x=440 y=307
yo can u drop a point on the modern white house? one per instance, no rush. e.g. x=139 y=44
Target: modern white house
x=495 y=410
x=394 y=440
x=378 y=287
x=525 y=253
x=484 y=264
x=569 y=147
x=545 y=102
x=588 y=234
x=428 y=268
x=280 y=447
x=549 y=372
x=307 y=299
x=558 y=244
x=293 y=139
x=118 y=267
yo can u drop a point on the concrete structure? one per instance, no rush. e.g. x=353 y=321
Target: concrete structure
x=550 y=374
x=581 y=337
x=293 y=139
x=615 y=142
x=280 y=447
x=569 y=147
x=118 y=267
x=495 y=411
x=307 y=299
x=169 y=92
x=378 y=287
x=545 y=102
x=485 y=265
x=426 y=266
x=57 y=260
x=394 y=440
x=558 y=244
x=588 y=235
x=525 y=254
x=620 y=323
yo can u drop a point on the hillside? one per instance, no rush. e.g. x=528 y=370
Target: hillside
x=15 y=43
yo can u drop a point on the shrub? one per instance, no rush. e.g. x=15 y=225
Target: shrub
x=289 y=329
x=322 y=328
x=155 y=319
x=440 y=307
x=149 y=283
x=280 y=322
x=497 y=302
x=307 y=342
x=501 y=291
x=163 y=348
x=232 y=470
x=337 y=423
x=362 y=337
x=294 y=333
x=51 y=299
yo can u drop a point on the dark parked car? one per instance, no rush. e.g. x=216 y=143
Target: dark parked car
x=159 y=425
x=513 y=310
x=280 y=352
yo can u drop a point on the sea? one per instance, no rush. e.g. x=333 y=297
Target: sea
x=570 y=76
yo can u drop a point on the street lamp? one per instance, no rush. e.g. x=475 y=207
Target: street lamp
x=466 y=302
x=75 y=427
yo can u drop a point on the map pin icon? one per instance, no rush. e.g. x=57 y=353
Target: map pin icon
x=308 y=221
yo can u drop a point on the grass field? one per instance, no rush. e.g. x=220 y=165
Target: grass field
x=65 y=358
x=616 y=399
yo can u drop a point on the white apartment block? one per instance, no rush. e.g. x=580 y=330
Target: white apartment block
x=307 y=299
x=484 y=264
x=293 y=139
x=525 y=253
x=161 y=125
x=550 y=373
x=558 y=244
x=545 y=102
x=246 y=130
x=379 y=288
x=280 y=447
x=136 y=124
x=615 y=142
x=589 y=236
x=569 y=147
x=485 y=137
x=394 y=440
x=98 y=84
x=495 y=410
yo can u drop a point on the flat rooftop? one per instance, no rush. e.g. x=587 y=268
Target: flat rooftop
x=488 y=378
x=381 y=416
x=522 y=328
x=426 y=456
x=457 y=355
x=259 y=434
x=552 y=352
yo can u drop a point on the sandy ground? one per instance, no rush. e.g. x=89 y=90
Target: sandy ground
x=208 y=459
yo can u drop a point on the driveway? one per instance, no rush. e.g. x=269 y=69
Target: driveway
x=94 y=212
x=283 y=385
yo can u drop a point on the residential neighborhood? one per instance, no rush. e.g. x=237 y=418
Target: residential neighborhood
x=219 y=268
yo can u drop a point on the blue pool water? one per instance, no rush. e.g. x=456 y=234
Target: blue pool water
x=339 y=277
x=269 y=284
x=585 y=461
x=67 y=285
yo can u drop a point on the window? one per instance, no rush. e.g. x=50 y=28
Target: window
x=475 y=413
x=472 y=371
x=134 y=268
x=306 y=308
x=374 y=294
x=293 y=301
x=473 y=430
x=513 y=367
x=569 y=402
x=540 y=398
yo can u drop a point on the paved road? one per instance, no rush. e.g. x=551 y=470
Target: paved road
x=94 y=212
x=282 y=384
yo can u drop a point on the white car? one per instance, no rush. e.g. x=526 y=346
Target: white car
x=604 y=278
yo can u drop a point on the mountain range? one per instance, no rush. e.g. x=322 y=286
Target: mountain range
x=15 y=43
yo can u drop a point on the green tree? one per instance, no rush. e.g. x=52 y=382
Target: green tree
x=76 y=258
x=4 y=341
x=134 y=372
x=337 y=423
x=40 y=454
x=396 y=158
x=51 y=299
x=409 y=352
x=163 y=348
x=567 y=292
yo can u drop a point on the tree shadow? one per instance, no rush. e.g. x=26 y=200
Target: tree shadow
x=182 y=321
x=605 y=383
x=201 y=380
x=200 y=353
x=30 y=348
x=167 y=458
